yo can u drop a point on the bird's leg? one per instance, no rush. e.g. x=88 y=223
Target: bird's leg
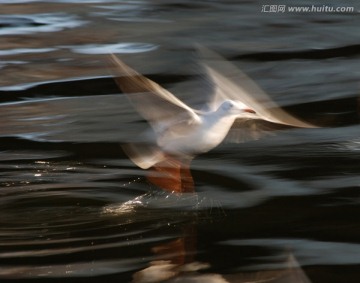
x=166 y=175
x=187 y=181
x=172 y=175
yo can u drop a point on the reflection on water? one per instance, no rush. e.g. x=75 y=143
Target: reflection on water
x=73 y=207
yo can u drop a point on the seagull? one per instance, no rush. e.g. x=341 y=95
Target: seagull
x=180 y=132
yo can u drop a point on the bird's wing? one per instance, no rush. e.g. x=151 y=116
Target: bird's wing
x=166 y=114
x=153 y=102
x=231 y=83
x=252 y=128
x=144 y=155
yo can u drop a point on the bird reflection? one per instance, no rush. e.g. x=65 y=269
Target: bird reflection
x=175 y=262
x=173 y=258
x=235 y=108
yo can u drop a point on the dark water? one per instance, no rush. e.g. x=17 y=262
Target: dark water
x=75 y=209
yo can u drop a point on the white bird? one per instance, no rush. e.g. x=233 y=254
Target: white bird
x=181 y=132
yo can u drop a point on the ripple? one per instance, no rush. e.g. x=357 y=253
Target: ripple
x=309 y=252
x=18 y=1
x=18 y=51
x=67 y=239
x=94 y=268
x=5 y=63
x=12 y=155
x=352 y=145
x=123 y=48
x=46 y=22
x=55 y=1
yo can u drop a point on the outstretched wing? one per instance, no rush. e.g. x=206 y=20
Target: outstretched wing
x=166 y=114
x=231 y=83
x=153 y=102
x=249 y=129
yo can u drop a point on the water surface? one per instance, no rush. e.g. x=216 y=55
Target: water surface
x=74 y=208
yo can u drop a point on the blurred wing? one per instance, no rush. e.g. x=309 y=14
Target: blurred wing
x=233 y=84
x=249 y=129
x=158 y=106
x=154 y=103
x=144 y=155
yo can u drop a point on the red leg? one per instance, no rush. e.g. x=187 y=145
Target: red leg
x=172 y=175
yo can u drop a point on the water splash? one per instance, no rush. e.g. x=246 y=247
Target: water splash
x=163 y=202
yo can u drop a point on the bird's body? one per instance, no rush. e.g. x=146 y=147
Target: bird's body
x=181 y=132
x=200 y=134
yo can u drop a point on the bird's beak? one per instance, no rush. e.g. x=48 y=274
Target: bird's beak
x=243 y=107
x=248 y=110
